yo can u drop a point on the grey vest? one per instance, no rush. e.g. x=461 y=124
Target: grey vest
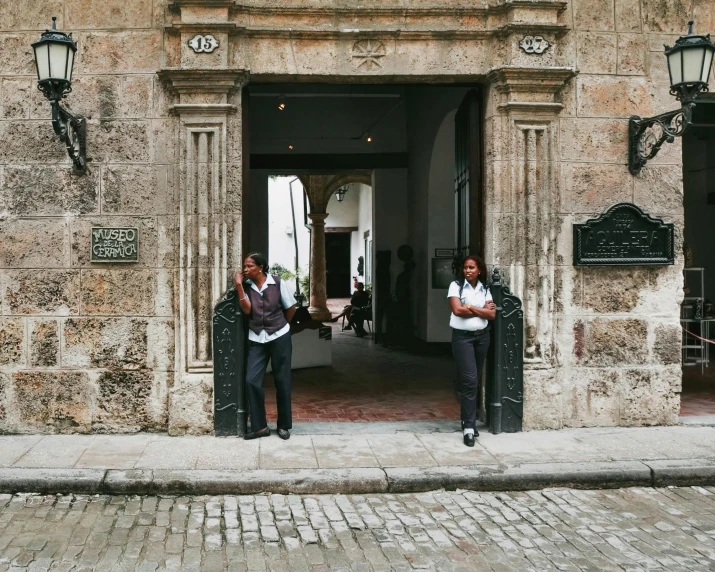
x=266 y=309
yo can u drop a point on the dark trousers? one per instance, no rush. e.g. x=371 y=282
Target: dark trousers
x=279 y=351
x=469 y=350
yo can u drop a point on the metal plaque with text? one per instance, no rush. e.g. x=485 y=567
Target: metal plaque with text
x=623 y=236
x=114 y=244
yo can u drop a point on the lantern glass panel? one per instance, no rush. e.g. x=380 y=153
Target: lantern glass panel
x=693 y=64
x=70 y=64
x=42 y=58
x=708 y=62
x=675 y=65
x=58 y=61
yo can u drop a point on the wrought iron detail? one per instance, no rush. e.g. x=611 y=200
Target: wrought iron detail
x=229 y=346
x=534 y=44
x=646 y=136
x=506 y=361
x=69 y=127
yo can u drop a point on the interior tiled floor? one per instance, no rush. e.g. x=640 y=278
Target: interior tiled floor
x=698 y=397
x=369 y=383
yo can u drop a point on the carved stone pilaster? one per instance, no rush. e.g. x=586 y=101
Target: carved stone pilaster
x=318 y=288
x=209 y=227
x=523 y=115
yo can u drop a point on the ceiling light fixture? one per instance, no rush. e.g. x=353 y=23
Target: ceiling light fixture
x=281 y=103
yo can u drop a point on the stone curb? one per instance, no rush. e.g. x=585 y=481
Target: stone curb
x=529 y=476
x=51 y=480
x=687 y=472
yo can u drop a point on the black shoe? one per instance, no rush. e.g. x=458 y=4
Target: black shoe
x=284 y=434
x=469 y=440
x=257 y=434
x=348 y=327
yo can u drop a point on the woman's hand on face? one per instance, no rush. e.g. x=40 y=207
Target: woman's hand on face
x=238 y=277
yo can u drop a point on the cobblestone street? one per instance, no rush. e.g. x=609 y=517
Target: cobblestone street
x=628 y=529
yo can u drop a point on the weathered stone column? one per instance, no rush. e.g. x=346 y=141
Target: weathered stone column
x=318 y=292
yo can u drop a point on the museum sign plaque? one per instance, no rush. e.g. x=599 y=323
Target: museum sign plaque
x=114 y=244
x=623 y=236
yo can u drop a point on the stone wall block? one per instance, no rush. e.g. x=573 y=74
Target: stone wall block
x=121 y=141
x=594 y=14
x=612 y=342
x=44 y=343
x=5 y=405
x=16 y=97
x=591 y=397
x=164 y=293
x=616 y=290
x=163 y=141
x=614 y=96
x=191 y=406
x=134 y=189
x=234 y=189
x=160 y=344
x=109 y=14
x=127 y=292
x=668 y=16
x=658 y=190
x=12 y=342
x=32 y=15
x=125 y=51
x=58 y=401
x=34 y=243
x=704 y=16
x=650 y=396
x=167 y=241
x=596 y=52
x=80 y=237
x=18 y=58
x=542 y=400
x=31 y=142
x=116 y=343
x=43 y=190
x=592 y=188
x=666 y=348
x=628 y=16
x=583 y=138
x=125 y=403
x=633 y=54
x=136 y=96
x=48 y=292
x=95 y=97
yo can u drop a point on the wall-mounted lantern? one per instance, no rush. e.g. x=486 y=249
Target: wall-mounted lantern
x=340 y=194
x=689 y=63
x=54 y=59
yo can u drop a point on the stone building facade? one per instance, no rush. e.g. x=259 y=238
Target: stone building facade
x=90 y=347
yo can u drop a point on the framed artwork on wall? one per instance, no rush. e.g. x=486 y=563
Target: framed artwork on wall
x=442 y=275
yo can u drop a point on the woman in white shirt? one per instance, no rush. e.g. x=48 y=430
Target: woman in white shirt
x=472 y=305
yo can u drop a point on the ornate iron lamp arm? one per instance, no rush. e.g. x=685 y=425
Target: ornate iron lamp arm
x=647 y=135
x=72 y=131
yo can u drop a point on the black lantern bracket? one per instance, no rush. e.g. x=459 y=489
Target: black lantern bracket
x=646 y=135
x=72 y=131
x=71 y=128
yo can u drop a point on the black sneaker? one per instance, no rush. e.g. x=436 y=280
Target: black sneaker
x=469 y=439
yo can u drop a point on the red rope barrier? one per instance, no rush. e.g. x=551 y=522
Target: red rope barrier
x=697 y=336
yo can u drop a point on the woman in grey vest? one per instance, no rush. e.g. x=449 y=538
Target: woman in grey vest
x=270 y=306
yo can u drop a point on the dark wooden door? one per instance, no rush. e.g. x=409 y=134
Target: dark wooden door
x=468 y=187
x=337 y=264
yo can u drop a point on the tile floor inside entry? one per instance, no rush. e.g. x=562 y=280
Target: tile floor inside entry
x=698 y=396
x=370 y=383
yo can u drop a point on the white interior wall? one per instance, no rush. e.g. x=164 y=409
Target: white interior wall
x=281 y=245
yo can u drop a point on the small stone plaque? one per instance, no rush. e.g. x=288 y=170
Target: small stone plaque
x=623 y=236
x=114 y=244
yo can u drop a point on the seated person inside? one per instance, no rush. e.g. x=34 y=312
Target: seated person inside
x=359 y=301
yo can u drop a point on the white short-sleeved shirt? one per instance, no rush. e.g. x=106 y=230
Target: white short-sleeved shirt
x=287 y=300
x=474 y=297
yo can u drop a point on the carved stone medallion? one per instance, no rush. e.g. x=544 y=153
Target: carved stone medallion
x=534 y=44
x=368 y=54
x=203 y=44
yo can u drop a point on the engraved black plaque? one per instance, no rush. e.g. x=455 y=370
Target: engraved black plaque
x=114 y=244
x=623 y=236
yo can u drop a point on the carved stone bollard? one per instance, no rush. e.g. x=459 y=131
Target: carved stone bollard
x=505 y=388
x=229 y=353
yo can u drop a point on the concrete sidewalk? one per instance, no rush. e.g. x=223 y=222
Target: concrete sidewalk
x=358 y=458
